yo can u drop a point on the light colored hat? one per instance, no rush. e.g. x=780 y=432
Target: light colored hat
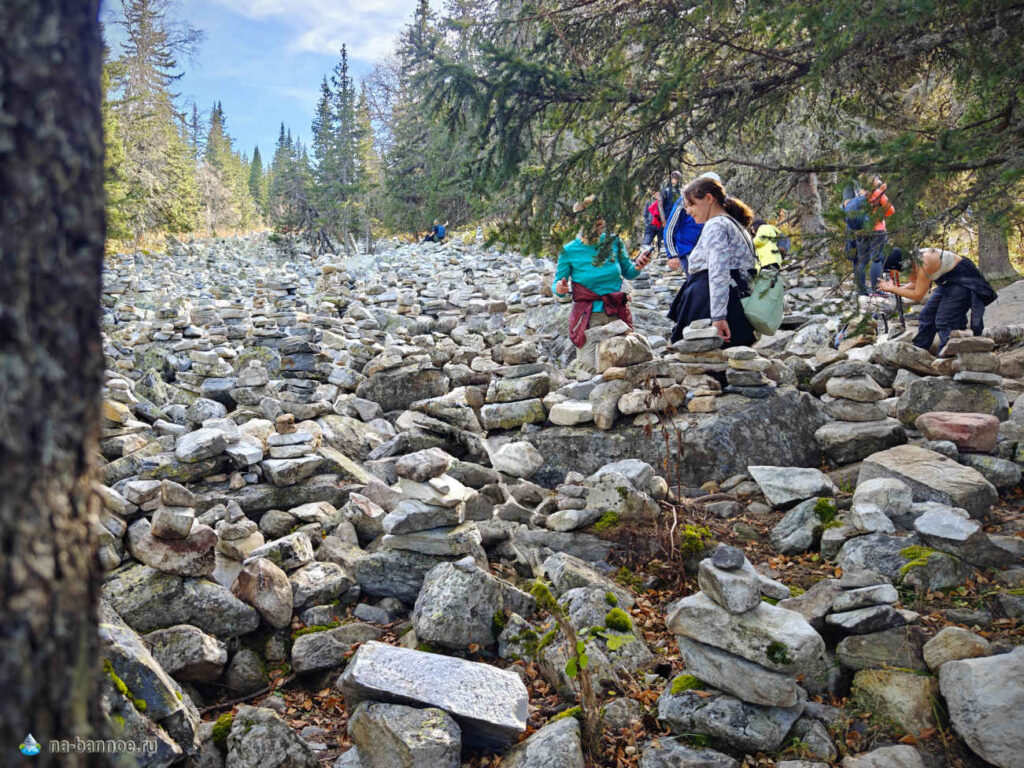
x=711 y=175
x=583 y=204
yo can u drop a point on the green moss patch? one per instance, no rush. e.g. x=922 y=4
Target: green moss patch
x=777 y=653
x=315 y=628
x=618 y=620
x=609 y=519
x=222 y=728
x=576 y=712
x=826 y=511
x=916 y=556
x=685 y=683
x=694 y=539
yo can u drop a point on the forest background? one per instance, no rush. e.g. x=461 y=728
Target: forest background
x=500 y=114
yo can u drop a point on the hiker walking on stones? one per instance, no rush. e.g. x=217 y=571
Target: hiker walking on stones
x=654 y=221
x=870 y=245
x=720 y=264
x=959 y=288
x=590 y=272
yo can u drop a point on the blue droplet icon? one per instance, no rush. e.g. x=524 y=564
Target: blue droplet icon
x=29 y=746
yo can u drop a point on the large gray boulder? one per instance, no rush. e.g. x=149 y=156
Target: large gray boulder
x=329 y=648
x=985 y=698
x=396 y=736
x=489 y=704
x=154 y=692
x=395 y=573
x=188 y=654
x=800 y=528
x=932 y=477
x=147 y=599
x=739 y=724
x=259 y=737
x=458 y=602
x=877 y=552
x=556 y=745
x=954 y=534
x=932 y=393
x=398 y=388
x=899 y=647
x=844 y=442
x=716 y=446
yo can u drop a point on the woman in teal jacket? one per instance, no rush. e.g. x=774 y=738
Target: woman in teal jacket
x=595 y=263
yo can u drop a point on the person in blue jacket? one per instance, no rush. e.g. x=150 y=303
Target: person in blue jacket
x=437 y=232
x=682 y=232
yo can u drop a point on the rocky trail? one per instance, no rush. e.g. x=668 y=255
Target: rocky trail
x=348 y=505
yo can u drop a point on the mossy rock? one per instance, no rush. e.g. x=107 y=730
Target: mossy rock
x=684 y=683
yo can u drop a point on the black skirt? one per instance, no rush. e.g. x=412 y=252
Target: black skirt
x=693 y=302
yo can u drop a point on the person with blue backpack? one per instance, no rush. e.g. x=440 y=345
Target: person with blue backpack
x=437 y=232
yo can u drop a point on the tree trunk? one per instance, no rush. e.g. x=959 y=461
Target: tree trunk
x=51 y=252
x=813 y=241
x=993 y=251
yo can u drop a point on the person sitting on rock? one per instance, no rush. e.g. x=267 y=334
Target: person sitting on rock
x=595 y=263
x=437 y=232
x=959 y=287
x=721 y=265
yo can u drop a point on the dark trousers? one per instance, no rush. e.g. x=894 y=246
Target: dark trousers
x=869 y=261
x=693 y=302
x=945 y=312
x=652 y=234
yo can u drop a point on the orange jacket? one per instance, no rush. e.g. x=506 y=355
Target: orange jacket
x=885 y=208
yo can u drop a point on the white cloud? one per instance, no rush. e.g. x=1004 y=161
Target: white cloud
x=368 y=27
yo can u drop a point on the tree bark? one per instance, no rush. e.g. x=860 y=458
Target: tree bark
x=811 y=220
x=51 y=253
x=993 y=251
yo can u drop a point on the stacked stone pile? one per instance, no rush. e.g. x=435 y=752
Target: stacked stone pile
x=749 y=652
x=861 y=426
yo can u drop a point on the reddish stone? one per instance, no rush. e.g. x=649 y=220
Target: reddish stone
x=969 y=431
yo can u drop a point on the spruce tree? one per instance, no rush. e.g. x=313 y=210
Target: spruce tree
x=257 y=181
x=160 y=176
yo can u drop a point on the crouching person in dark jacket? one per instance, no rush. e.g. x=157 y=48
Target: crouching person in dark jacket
x=959 y=288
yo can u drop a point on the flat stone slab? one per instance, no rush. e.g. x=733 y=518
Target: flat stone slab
x=784 y=486
x=490 y=704
x=733 y=674
x=845 y=442
x=968 y=431
x=932 y=477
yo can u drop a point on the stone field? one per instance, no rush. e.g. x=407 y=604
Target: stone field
x=345 y=477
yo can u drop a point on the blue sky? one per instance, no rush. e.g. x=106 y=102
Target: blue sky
x=264 y=59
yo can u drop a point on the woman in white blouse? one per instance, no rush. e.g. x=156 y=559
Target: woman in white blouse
x=721 y=264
